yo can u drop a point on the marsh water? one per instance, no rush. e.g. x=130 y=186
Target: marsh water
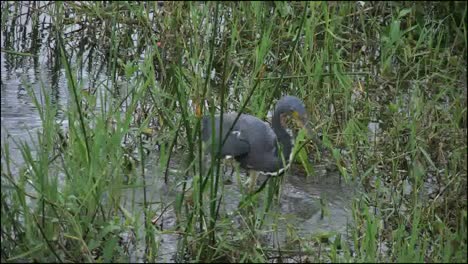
x=311 y=205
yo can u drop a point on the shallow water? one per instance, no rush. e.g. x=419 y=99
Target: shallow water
x=300 y=207
x=312 y=206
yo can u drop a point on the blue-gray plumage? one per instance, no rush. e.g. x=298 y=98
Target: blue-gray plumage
x=253 y=143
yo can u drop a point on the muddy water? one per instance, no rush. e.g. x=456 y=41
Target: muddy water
x=311 y=206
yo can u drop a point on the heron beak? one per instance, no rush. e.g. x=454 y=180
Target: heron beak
x=302 y=122
x=312 y=136
x=307 y=127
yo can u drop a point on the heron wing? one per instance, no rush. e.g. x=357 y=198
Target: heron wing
x=236 y=144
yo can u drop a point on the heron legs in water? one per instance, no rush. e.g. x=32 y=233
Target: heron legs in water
x=252 y=180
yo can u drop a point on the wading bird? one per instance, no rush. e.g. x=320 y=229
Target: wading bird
x=253 y=143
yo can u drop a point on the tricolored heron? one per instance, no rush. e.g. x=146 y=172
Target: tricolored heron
x=253 y=143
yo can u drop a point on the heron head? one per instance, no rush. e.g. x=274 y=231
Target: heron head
x=292 y=113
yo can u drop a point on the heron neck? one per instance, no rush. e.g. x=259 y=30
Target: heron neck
x=283 y=138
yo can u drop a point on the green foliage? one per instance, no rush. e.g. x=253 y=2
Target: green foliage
x=398 y=65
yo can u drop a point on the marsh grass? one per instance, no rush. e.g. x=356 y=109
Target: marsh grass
x=398 y=65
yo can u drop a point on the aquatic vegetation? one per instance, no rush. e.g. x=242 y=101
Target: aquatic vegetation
x=113 y=166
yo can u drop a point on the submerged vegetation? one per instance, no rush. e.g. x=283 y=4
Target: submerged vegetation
x=384 y=84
